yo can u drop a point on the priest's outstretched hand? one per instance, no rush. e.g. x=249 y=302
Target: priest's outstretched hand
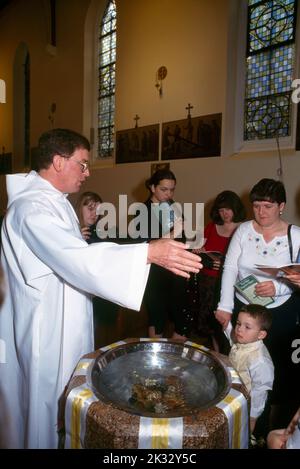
x=173 y=255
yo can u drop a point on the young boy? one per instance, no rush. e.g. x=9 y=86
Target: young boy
x=250 y=357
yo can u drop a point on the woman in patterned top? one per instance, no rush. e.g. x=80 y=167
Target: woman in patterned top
x=264 y=240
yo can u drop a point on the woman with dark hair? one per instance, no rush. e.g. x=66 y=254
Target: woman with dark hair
x=231 y=201
x=158 y=176
x=226 y=214
x=265 y=240
x=165 y=292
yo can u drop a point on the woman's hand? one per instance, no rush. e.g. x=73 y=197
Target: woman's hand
x=293 y=278
x=85 y=231
x=177 y=229
x=277 y=439
x=216 y=264
x=293 y=423
x=223 y=317
x=265 y=288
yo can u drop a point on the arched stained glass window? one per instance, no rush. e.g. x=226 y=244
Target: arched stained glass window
x=270 y=66
x=107 y=70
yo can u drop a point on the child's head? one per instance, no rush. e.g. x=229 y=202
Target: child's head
x=252 y=324
x=86 y=208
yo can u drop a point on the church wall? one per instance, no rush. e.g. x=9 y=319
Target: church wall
x=190 y=38
x=174 y=34
x=55 y=73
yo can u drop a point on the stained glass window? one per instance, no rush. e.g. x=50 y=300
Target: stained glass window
x=269 y=68
x=107 y=70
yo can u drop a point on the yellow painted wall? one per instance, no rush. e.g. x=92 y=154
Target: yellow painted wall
x=190 y=38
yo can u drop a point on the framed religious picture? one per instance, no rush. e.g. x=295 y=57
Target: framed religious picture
x=138 y=144
x=193 y=137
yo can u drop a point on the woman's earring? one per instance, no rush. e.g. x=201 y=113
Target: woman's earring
x=281 y=212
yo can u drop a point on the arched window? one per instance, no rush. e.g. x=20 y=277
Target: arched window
x=262 y=63
x=269 y=68
x=107 y=75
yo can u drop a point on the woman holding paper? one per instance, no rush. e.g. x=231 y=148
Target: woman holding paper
x=264 y=240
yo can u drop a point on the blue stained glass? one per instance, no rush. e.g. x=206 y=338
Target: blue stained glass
x=269 y=71
x=270 y=66
x=270 y=23
x=107 y=67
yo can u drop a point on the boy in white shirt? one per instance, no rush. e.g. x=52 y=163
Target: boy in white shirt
x=250 y=357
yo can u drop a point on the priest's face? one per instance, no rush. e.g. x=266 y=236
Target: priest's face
x=75 y=170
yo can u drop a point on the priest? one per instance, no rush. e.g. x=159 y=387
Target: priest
x=46 y=321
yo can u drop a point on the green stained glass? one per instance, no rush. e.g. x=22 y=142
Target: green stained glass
x=109 y=21
x=270 y=66
x=270 y=23
x=267 y=117
x=270 y=73
x=107 y=80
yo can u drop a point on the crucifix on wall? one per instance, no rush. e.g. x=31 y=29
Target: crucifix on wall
x=188 y=108
x=189 y=127
x=136 y=118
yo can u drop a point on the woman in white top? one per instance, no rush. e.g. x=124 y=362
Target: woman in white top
x=264 y=240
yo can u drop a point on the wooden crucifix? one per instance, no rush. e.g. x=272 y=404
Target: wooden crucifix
x=188 y=108
x=136 y=118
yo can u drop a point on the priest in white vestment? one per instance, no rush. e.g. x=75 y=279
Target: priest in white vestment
x=46 y=321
